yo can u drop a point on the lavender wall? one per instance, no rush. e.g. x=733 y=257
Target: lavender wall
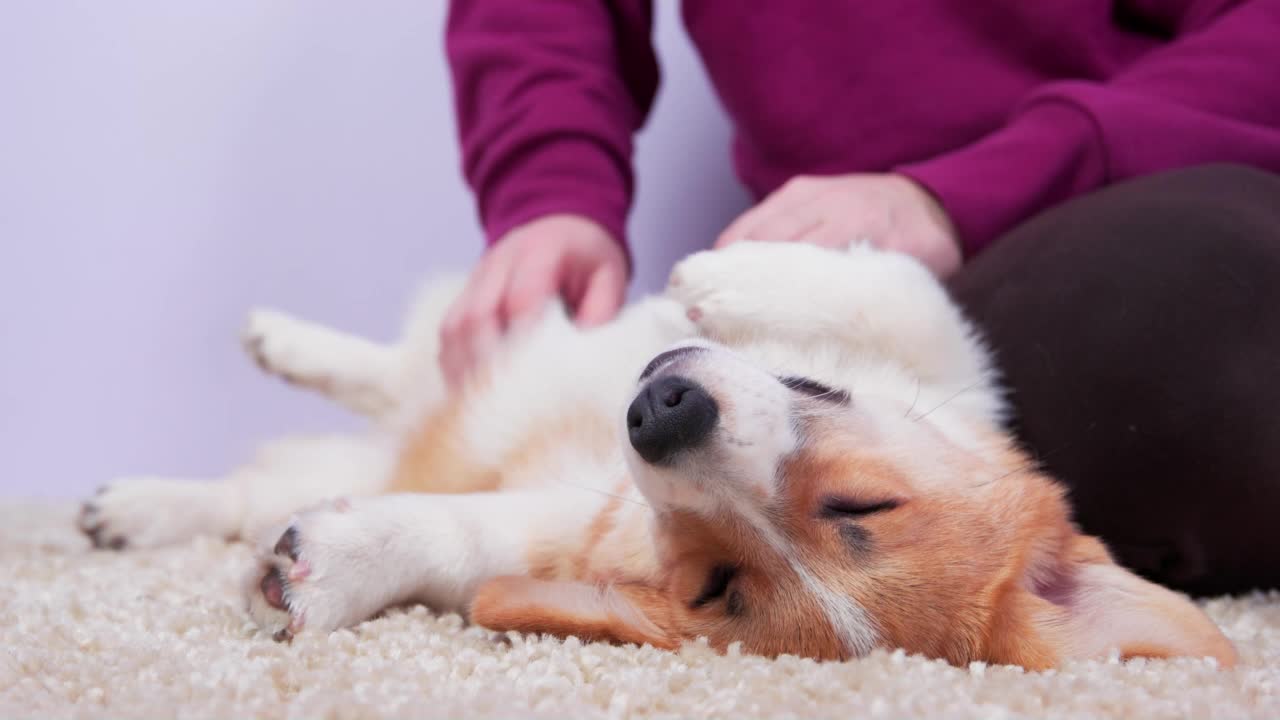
x=166 y=166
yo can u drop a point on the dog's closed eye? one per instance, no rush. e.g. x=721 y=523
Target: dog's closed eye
x=815 y=389
x=843 y=507
x=716 y=585
x=849 y=510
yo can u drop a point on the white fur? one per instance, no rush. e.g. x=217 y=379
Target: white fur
x=355 y=372
x=874 y=324
x=358 y=557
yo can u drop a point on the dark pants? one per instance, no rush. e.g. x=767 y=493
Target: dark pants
x=1139 y=330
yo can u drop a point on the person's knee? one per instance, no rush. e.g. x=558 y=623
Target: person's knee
x=1169 y=222
x=1215 y=199
x=1138 y=327
x=1222 y=177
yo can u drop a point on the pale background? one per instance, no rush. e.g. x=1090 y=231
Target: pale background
x=164 y=166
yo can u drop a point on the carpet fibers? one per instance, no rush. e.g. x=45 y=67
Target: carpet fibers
x=162 y=634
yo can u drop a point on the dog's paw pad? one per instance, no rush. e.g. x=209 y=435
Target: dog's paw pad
x=272 y=587
x=287 y=545
x=320 y=571
x=275 y=597
x=91 y=522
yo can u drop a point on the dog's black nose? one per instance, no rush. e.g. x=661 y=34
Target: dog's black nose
x=671 y=414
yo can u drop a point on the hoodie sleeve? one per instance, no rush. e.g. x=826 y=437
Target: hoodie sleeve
x=1211 y=94
x=548 y=95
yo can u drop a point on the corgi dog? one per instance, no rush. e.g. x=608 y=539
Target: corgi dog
x=792 y=448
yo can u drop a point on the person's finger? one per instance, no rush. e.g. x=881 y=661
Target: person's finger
x=483 y=324
x=793 y=198
x=736 y=230
x=744 y=227
x=481 y=343
x=489 y=288
x=534 y=279
x=786 y=225
x=474 y=313
x=835 y=235
x=450 y=356
x=603 y=295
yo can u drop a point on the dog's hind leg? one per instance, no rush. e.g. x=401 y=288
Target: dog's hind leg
x=144 y=512
x=286 y=476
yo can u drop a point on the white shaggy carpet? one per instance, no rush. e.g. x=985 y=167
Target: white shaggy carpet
x=162 y=634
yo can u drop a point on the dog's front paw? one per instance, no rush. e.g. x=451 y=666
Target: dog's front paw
x=325 y=571
x=139 y=513
x=272 y=340
x=352 y=371
x=748 y=287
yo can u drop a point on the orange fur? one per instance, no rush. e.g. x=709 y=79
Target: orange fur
x=438 y=459
x=435 y=459
x=570 y=556
x=950 y=573
x=984 y=564
x=620 y=613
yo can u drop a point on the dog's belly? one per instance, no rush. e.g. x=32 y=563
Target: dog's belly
x=549 y=412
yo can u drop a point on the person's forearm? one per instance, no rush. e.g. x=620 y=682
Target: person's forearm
x=547 y=98
x=1208 y=96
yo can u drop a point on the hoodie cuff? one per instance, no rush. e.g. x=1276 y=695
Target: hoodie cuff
x=569 y=175
x=1050 y=152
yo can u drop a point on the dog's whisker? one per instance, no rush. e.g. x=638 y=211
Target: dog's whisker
x=1036 y=462
x=606 y=493
x=914 y=400
x=940 y=405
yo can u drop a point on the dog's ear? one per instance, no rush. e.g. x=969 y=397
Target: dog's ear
x=1087 y=606
x=617 y=613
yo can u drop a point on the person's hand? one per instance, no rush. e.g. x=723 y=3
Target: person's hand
x=888 y=211
x=556 y=255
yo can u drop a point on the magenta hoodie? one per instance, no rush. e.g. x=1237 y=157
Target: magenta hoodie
x=1000 y=107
